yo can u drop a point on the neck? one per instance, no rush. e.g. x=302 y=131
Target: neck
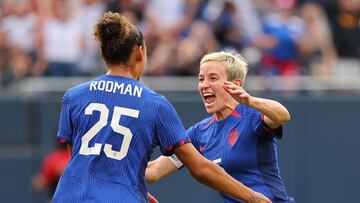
x=228 y=109
x=121 y=70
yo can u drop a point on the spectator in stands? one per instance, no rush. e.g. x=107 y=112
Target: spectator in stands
x=346 y=29
x=165 y=23
x=190 y=49
x=18 y=25
x=270 y=37
x=61 y=41
x=90 y=60
x=226 y=31
x=5 y=70
x=282 y=31
x=316 y=45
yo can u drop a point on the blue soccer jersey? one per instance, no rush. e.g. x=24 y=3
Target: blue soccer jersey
x=245 y=147
x=113 y=124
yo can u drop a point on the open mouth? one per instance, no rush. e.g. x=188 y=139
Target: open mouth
x=209 y=97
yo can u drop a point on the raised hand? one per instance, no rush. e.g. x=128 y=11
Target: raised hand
x=238 y=93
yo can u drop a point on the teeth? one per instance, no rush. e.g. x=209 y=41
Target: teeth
x=207 y=94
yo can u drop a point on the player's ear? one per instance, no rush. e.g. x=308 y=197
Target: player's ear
x=238 y=81
x=102 y=54
x=139 y=53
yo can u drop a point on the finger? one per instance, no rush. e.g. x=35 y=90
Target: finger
x=244 y=95
x=228 y=82
x=236 y=91
x=231 y=85
x=231 y=91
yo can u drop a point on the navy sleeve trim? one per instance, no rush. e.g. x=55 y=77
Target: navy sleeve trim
x=63 y=139
x=277 y=133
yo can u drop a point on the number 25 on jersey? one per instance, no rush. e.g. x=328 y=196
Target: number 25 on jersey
x=116 y=127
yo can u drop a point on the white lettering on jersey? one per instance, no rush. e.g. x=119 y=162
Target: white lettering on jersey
x=119 y=87
x=109 y=86
x=128 y=90
x=137 y=91
x=93 y=85
x=101 y=85
x=115 y=87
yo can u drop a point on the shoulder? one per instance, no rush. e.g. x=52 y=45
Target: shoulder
x=78 y=89
x=246 y=110
x=153 y=96
x=203 y=124
x=248 y=113
x=150 y=93
x=157 y=102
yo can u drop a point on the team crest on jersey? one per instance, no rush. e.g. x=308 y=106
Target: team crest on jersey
x=233 y=136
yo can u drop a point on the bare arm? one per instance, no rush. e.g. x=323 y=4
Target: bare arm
x=69 y=149
x=275 y=113
x=212 y=175
x=159 y=168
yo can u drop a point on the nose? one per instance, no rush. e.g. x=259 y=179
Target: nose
x=203 y=84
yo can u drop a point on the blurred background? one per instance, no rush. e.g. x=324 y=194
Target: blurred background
x=303 y=53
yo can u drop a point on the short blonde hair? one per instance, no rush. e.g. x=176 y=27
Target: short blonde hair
x=235 y=65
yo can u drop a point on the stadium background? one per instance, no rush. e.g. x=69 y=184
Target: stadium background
x=319 y=154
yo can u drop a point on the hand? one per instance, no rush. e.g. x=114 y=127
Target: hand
x=151 y=198
x=238 y=93
x=258 y=198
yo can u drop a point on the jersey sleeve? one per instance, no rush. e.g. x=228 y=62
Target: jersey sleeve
x=192 y=134
x=170 y=131
x=262 y=129
x=65 y=131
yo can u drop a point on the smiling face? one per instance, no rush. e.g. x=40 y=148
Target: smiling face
x=212 y=76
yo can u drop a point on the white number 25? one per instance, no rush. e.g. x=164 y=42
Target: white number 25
x=104 y=114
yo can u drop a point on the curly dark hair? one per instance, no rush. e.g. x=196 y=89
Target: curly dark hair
x=117 y=37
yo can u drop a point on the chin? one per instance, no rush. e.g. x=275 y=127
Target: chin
x=210 y=110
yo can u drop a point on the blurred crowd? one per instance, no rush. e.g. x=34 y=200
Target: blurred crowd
x=276 y=37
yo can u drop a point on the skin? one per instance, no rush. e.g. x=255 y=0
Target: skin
x=203 y=170
x=225 y=96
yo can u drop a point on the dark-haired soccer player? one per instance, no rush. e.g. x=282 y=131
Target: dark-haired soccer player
x=239 y=136
x=113 y=122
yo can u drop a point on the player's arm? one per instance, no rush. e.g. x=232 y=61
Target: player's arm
x=275 y=114
x=159 y=168
x=69 y=146
x=212 y=175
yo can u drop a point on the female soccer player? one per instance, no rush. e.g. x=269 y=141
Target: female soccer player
x=112 y=124
x=239 y=136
